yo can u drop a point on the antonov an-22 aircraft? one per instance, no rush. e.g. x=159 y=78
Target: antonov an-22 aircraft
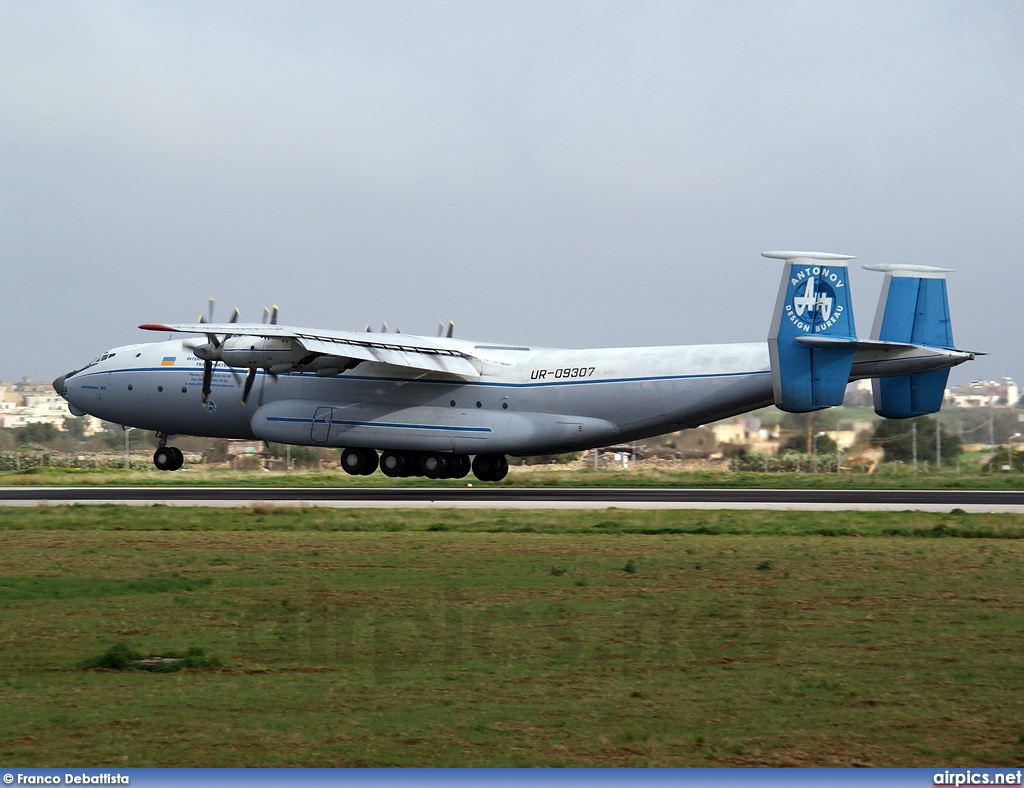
x=415 y=405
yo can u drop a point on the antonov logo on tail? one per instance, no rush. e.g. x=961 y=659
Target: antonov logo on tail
x=811 y=300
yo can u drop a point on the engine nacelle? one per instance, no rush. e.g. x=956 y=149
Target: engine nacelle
x=260 y=353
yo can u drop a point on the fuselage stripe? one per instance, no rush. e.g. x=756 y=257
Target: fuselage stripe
x=449 y=383
x=296 y=420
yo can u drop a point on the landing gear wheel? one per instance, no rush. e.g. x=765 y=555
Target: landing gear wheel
x=490 y=467
x=459 y=466
x=179 y=458
x=165 y=459
x=393 y=464
x=359 y=462
x=434 y=465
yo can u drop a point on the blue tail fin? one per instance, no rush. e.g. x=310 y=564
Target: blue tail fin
x=812 y=323
x=913 y=309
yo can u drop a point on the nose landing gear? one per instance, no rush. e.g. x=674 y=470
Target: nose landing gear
x=168 y=458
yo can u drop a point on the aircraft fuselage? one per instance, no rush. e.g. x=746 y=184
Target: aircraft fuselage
x=527 y=401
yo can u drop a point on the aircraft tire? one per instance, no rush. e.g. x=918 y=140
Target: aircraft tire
x=500 y=469
x=371 y=461
x=434 y=465
x=179 y=458
x=164 y=458
x=359 y=462
x=412 y=464
x=490 y=467
x=393 y=464
x=459 y=466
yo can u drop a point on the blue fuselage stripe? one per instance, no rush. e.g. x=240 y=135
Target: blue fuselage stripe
x=458 y=381
x=296 y=420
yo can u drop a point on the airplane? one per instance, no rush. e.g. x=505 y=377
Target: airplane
x=440 y=407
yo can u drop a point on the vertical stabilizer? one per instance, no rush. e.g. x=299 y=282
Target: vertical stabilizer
x=913 y=309
x=813 y=303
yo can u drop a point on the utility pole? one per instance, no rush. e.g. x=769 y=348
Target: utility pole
x=938 y=444
x=913 y=430
x=127 y=453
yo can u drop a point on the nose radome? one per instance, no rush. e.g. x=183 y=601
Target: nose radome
x=60 y=385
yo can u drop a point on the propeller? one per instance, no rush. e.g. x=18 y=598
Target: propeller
x=208 y=352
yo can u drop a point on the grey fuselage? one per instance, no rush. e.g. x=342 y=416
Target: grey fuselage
x=526 y=400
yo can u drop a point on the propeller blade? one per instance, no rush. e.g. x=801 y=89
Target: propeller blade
x=440 y=329
x=207 y=379
x=211 y=338
x=384 y=328
x=451 y=328
x=367 y=329
x=249 y=380
x=266 y=314
x=273 y=316
x=234 y=316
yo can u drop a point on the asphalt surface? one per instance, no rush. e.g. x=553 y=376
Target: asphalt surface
x=511 y=497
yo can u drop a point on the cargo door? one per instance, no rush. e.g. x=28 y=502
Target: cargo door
x=321 y=427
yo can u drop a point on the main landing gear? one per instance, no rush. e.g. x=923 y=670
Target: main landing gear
x=167 y=458
x=432 y=464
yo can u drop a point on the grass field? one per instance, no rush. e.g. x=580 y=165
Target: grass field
x=890 y=477
x=512 y=638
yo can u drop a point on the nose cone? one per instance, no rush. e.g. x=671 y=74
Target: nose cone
x=60 y=385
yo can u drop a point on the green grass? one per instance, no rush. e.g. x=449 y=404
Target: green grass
x=511 y=638
x=889 y=477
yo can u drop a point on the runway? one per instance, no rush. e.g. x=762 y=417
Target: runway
x=525 y=498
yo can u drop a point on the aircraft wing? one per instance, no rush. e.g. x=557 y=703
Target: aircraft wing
x=441 y=354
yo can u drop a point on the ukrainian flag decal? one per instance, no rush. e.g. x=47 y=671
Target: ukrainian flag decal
x=168 y=361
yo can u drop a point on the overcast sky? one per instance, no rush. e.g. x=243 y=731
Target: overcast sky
x=551 y=173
